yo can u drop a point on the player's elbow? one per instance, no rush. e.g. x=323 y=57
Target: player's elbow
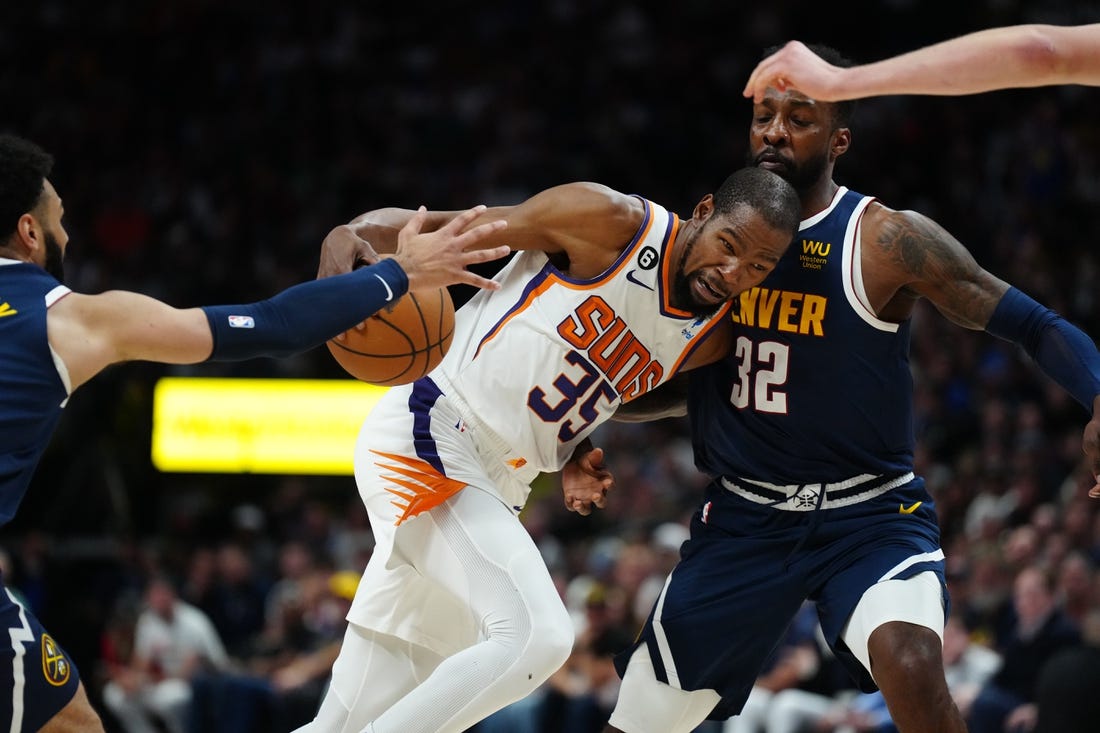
x=1039 y=52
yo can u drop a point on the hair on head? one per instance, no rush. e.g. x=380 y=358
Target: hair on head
x=773 y=197
x=24 y=168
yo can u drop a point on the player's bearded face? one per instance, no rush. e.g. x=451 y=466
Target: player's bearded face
x=55 y=258
x=682 y=295
x=802 y=175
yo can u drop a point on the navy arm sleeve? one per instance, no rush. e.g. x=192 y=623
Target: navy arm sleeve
x=305 y=315
x=1064 y=352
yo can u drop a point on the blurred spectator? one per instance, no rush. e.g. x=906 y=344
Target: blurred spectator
x=173 y=641
x=967 y=666
x=1074 y=586
x=283 y=681
x=235 y=602
x=1041 y=629
x=1065 y=696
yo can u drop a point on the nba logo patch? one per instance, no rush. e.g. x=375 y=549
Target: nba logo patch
x=706 y=512
x=241 y=322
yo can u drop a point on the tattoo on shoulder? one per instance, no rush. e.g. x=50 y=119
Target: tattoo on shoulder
x=938 y=267
x=924 y=249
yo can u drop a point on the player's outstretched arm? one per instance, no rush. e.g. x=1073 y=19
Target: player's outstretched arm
x=432 y=241
x=92 y=331
x=996 y=58
x=586 y=221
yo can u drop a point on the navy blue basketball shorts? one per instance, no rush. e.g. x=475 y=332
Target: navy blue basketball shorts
x=748 y=567
x=37 y=677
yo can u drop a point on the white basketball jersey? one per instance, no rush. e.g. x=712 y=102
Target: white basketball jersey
x=545 y=359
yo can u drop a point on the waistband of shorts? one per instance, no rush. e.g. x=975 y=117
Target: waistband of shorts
x=487 y=438
x=809 y=497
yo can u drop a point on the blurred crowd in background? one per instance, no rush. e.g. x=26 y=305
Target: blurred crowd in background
x=205 y=148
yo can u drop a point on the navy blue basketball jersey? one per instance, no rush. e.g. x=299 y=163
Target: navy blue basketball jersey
x=816 y=387
x=32 y=391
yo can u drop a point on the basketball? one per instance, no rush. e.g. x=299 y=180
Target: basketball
x=400 y=343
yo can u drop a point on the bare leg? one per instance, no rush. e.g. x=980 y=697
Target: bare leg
x=907 y=664
x=76 y=717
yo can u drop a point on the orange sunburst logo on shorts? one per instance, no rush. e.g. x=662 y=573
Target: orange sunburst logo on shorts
x=422 y=487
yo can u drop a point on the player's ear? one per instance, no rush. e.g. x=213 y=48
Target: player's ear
x=27 y=238
x=703 y=209
x=842 y=140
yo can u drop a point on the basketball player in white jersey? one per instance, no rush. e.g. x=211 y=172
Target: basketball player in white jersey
x=456 y=615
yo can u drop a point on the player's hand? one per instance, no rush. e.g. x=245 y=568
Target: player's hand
x=585 y=480
x=343 y=250
x=440 y=258
x=1091 y=445
x=794 y=67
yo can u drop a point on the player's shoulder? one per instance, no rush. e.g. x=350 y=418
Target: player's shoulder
x=882 y=223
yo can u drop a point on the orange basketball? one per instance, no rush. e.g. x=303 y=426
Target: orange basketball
x=400 y=343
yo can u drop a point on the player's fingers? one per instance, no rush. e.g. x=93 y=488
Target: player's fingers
x=578 y=506
x=760 y=78
x=485 y=255
x=412 y=226
x=1094 y=492
x=753 y=84
x=477 y=234
x=471 y=278
x=460 y=222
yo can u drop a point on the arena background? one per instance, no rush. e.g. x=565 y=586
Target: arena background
x=205 y=148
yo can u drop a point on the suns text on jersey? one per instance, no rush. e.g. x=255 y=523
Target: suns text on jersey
x=597 y=331
x=782 y=310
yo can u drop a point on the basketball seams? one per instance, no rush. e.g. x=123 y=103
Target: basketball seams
x=407 y=336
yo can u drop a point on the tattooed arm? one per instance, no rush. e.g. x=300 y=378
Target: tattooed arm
x=908 y=256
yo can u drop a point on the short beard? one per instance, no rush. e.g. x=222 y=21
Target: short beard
x=55 y=260
x=802 y=177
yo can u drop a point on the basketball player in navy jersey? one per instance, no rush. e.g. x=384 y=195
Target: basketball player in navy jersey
x=53 y=340
x=807 y=431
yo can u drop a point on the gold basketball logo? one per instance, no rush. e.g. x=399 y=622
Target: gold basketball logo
x=55 y=666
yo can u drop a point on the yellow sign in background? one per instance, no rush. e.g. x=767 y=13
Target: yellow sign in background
x=293 y=426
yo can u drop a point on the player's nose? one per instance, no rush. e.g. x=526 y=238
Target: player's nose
x=775 y=132
x=730 y=270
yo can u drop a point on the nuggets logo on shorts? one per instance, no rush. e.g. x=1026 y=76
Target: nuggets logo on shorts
x=55 y=665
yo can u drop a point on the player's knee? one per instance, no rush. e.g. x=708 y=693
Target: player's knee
x=551 y=644
x=906 y=653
